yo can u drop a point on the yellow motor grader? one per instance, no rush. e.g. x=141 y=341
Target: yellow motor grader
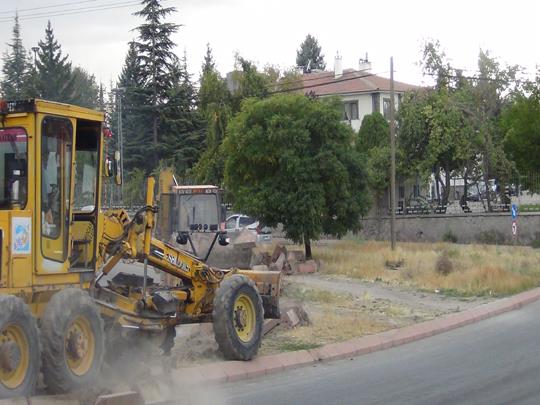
x=61 y=297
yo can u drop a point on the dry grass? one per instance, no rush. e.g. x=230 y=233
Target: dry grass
x=338 y=317
x=476 y=269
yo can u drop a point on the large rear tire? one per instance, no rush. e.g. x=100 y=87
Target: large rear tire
x=19 y=348
x=238 y=318
x=73 y=341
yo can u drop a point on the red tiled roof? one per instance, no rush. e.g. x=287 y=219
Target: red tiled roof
x=352 y=81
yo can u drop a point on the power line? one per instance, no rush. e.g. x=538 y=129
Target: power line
x=83 y=10
x=46 y=7
x=324 y=83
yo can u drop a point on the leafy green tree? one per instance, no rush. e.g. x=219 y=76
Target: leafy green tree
x=489 y=93
x=248 y=82
x=434 y=137
x=309 y=56
x=16 y=67
x=521 y=126
x=290 y=161
x=374 y=132
x=374 y=144
x=55 y=80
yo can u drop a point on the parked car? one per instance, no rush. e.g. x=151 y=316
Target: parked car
x=238 y=222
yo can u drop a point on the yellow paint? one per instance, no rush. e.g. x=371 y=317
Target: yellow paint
x=14 y=377
x=244 y=318
x=80 y=343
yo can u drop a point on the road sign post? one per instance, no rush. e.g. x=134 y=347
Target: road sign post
x=514 y=212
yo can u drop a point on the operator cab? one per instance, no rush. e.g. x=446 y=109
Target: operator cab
x=50 y=182
x=195 y=209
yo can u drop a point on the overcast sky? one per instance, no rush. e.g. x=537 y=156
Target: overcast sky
x=270 y=32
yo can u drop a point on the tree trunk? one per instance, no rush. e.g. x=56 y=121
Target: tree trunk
x=465 y=186
x=486 y=183
x=155 y=139
x=307 y=245
x=437 y=190
x=446 y=189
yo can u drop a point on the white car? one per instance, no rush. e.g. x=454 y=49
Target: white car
x=238 y=222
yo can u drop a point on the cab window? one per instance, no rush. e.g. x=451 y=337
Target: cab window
x=86 y=165
x=56 y=145
x=13 y=167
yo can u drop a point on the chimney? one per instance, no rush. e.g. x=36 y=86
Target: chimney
x=338 y=68
x=364 y=65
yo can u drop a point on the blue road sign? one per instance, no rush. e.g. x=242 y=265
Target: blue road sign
x=514 y=211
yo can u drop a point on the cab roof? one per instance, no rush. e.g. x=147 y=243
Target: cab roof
x=50 y=107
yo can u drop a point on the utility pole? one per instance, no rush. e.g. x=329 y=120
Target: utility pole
x=35 y=49
x=119 y=91
x=392 y=160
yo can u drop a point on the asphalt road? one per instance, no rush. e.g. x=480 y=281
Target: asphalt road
x=496 y=361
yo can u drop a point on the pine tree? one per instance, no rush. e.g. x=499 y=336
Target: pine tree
x=156 y=57
x=55 y=81
x=182 y=123
x=16 y=68
x=85 y=89
x=209 y=64
x=309 y=56
x=136 y=114
x=215 y=106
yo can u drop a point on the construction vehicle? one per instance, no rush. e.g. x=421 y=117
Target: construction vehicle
x=62 y=301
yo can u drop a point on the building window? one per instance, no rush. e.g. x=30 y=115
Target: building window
x=386 y=108
x=416 y=190
x=375 y=103
x=350 y=110
x=401 y=192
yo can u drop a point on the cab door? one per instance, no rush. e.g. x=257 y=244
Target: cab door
x=55 y=189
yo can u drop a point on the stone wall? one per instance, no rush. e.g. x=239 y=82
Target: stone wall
x=471 y=228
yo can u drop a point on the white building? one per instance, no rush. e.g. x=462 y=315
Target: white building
x=362 y=92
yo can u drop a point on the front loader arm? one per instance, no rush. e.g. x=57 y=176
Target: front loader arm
x=125 y=238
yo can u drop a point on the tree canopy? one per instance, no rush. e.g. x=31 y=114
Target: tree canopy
x=309 y=56
x=290 y=161
x=521 y=125
x=55 y=81
x=16 y=68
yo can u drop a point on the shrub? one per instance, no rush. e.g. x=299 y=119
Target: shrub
x=444 y=265
x=491 y=237
x=450 y=237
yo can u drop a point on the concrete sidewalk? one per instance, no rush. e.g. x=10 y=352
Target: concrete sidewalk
x=237 y=370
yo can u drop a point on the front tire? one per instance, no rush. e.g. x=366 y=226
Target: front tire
x=19 y=348
x=238 y=318
x=73 y=341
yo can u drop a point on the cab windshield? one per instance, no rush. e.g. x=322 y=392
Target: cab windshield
x=13 y=167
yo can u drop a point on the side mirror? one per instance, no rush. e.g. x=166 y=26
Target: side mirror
x=182 y=238
x=223 y=212
x=223 y=240
x=117 y=168
x=108 y=167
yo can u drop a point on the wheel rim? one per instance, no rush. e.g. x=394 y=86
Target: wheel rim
x=79 y=344
x=14 y=356
x=244 y=317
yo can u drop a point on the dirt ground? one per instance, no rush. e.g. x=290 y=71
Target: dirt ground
x=339 y=309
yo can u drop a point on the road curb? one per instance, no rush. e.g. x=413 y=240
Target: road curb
x=228 y=371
